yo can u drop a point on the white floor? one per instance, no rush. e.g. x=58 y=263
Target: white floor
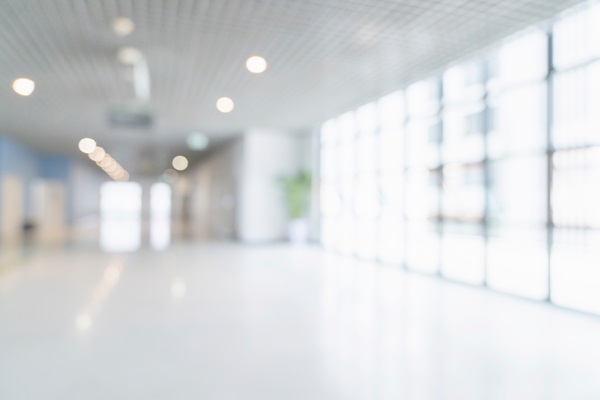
x=216 y=321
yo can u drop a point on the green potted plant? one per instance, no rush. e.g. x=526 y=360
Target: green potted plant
x=296 y=194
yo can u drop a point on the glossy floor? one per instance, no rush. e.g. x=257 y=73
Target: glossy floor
x=219 y=321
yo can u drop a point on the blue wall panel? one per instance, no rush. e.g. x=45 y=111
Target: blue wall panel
x=22 y=161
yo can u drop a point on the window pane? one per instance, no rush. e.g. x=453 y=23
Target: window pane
x=422 y=246
x=464 y=192
x=330 y=201
x=392 y=111
x=329 y=233
x=391 y=241
x=463 y=252
x=575 y=37
x=423 y=98
x=422 y=142
x=518 y=124
x=345 y=234
x=347 y=155
x=367 y=118
x=366 y=151
x=575 y=272
x=329 y=132
x=391 y=151
x=422 y=194
x=575 y=188
x=517 y=261
x=391 y=221
x=346 y=125
x=517 y=192
x=329 y=162
x=576 y=104
x=521 y=60
x=463 y=133
x=464 y=82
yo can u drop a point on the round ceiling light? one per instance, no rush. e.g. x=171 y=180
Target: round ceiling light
x=225 y=104
x=87 y=145
x=23 y=86
x=122 y=26
x=256 y=64
x=197 y=141
x=180 y=163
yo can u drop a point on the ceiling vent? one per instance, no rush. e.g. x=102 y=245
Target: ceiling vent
x=127 y=117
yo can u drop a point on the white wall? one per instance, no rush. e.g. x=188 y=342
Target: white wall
x=267 y=155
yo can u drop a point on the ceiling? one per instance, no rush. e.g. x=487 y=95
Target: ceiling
x=324 y=57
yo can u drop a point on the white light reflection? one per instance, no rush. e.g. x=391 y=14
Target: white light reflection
x=110 y=277
x=83 y=322
x=178 y=288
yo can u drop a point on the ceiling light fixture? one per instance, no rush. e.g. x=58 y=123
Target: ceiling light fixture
x=87 y=145
x=103 y=160
x=122 y=26
x=197 y=141
x=23 y=86
x=225 y=104
x=256 y=64
x=180 y=163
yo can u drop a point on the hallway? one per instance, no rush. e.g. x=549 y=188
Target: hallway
x=225 y=321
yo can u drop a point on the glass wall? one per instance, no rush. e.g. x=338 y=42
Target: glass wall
x=575 y=142
x=487 y=173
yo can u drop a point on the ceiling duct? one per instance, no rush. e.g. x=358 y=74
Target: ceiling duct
x=129 y=116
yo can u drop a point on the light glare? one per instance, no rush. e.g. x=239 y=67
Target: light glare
x=87 y=145
x=180 y=163
x=256 y=64
x=83 y=322
x=23 y=86
x=225 y=104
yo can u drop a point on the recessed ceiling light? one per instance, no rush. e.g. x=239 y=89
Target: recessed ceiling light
x=129 y=55
x=180 y=163
x=87 y=145
x=197 y=141
x=256 y=64
x=225 y=104
x=122 y=26
x=23 y=86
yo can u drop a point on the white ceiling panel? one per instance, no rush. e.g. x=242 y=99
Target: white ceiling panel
x=324 y=57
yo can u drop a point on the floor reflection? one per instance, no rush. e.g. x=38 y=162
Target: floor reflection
x=110 y=277
x=160 y=232
x=121 y=234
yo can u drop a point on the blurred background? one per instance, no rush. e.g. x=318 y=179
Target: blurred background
x=295 y=188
